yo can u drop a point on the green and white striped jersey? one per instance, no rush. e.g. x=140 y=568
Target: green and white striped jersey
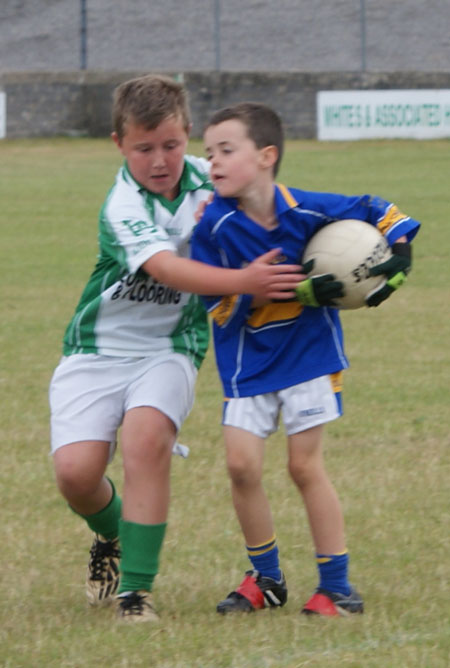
x=123 y=311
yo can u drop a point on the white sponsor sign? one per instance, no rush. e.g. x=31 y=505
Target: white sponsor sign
x=379 y=114
x=2 y=115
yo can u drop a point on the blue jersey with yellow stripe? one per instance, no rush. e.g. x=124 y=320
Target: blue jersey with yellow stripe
x=283 y=343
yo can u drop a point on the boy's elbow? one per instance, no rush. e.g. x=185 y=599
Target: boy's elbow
x=161 y=266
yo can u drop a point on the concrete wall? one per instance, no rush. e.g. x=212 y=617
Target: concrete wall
x=281 y=52
x=76 y=103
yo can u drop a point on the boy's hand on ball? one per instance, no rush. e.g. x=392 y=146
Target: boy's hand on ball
x=400 y=261
x=318 y=290
x=395 y=269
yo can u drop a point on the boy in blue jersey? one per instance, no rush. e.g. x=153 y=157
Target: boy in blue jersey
x=281 y=358
x=135 y=343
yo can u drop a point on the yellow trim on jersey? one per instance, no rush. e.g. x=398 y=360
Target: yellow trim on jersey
x=336 y=383
x=273 y=312
x=392 y=216
x=222 y=312
x=287 y=195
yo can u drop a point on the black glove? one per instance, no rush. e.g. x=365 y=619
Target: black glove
x=395 y=269
x=318 y=290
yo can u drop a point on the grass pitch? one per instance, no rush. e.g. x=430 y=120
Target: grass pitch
x=388 y=456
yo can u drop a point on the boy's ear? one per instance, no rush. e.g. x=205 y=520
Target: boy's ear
x=116 y=140
x=269 y=156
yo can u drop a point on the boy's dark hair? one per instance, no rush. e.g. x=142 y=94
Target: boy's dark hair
x=147 y=101
x=263 y=125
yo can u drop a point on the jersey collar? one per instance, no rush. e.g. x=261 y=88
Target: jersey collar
x=284 y=199
x=191 y=179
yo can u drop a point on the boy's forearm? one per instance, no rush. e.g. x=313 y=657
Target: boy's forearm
x=192 y=276
x=261 y=277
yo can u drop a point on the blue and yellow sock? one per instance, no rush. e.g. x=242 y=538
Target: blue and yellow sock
x=333 y=572
x=264 y=559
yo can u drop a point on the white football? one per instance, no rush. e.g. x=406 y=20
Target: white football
x=348 y=249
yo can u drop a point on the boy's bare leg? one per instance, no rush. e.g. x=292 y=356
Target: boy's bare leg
x=307 y=470
x=245 y=456
x=265 y=585
x=147 y=440
x=334 y=595
x=79 y=470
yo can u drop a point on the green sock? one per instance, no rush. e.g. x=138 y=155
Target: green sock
x=106 y=521
x=140 y=546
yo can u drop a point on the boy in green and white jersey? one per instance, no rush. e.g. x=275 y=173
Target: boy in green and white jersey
x=122 y=303
x=136 y=341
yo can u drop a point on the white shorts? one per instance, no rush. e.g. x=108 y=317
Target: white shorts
x=302 y=407
x=90 y=394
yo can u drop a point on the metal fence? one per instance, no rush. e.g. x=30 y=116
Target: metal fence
x=225 y=35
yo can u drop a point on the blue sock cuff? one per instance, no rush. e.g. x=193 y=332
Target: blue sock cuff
x=264 y=559
x=333 y=572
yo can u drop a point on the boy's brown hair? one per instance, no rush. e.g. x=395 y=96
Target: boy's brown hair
x=147 y=101
x=263 y=125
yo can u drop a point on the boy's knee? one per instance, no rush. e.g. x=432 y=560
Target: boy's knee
x=243 y=472
x=72 y=485
x=151 y=456
x=303 y=469
x=76 y=482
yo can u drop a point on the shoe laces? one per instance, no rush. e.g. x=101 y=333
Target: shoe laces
x=132 y=603
x=100 y=552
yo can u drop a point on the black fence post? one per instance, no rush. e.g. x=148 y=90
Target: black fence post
x=83 y=34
